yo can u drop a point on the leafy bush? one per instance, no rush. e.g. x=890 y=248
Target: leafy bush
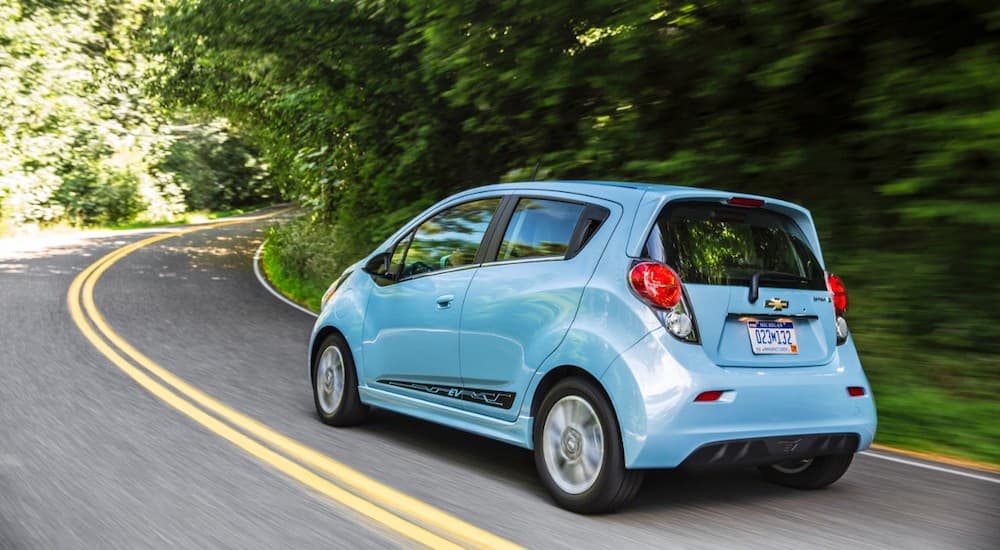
x=301 y=258
x=81 y=141
x=100 y=198
x=215 y=169
x=26 y=197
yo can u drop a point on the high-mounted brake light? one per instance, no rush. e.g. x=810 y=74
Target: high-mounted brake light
x=656 y=284
x=839 y=292
x=745 y=201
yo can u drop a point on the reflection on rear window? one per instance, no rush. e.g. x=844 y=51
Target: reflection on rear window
x=717 y=244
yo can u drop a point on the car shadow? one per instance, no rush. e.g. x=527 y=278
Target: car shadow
x=661 y=490
x=665 y=489
x=481 y=453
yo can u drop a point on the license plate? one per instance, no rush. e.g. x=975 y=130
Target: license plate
x=771 y=337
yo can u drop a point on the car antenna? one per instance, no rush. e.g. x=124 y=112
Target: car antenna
x=534 y=173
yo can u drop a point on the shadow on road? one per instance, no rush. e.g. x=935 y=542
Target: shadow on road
x=662 y=489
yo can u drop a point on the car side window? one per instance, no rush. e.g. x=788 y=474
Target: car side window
x=539 y=228
x=449 y=239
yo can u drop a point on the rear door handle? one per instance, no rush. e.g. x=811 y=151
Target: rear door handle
x=444 y=302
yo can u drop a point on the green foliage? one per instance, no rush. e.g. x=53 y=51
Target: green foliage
x=80 y=139
x=215 y=169
x=100 y=198
x=300 y=259
x=941 y=421
x=76 y=133
x=883 y=118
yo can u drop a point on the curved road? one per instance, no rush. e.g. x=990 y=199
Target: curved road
x=90 y=459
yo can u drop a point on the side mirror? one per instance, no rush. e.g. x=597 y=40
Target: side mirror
x=378 y=265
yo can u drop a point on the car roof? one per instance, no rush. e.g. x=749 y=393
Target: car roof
x=621 y=190
x=653 y=196
x=643 y=199
x=588 y=187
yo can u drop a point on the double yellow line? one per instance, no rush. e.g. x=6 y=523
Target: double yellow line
x=392 y=509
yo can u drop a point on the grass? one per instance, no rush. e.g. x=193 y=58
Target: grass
x=194 y=216
x=932 y=394
x=300 y=260
x=303 y=290
x=931 y=400
x=142 y=224
x=929 y=419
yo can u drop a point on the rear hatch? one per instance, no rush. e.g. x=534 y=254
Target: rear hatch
x=723 y=253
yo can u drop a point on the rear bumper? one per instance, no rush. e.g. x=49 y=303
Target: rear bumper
x=653 y=385
x=768 y=450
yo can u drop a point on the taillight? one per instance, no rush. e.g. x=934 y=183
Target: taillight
x=656 y=284
x=839 y=294
x=836 y=288
x=660 y=287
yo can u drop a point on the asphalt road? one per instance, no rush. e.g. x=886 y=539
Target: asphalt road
x=89 y=459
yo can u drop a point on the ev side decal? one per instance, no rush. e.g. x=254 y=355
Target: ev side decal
x=502 y=399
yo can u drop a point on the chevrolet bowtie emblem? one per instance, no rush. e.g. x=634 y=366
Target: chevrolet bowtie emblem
x=777 y=304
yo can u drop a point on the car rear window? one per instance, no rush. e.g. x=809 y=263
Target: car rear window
x=717 y=244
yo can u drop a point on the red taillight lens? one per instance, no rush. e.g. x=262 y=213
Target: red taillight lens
x=855 y=391
x=836 y=288
x=745 y=201
x=656 y=283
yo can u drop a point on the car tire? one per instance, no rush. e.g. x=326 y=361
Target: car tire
x=335 y=384
x=578 y=450
x=808 y=474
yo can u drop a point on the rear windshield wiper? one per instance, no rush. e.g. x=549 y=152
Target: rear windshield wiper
x=779 y=275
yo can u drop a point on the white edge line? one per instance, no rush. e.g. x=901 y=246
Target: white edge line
x=264 y=282
x=931 y=467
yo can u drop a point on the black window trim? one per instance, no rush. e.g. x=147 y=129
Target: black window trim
x=589 y=223
x=408 y=239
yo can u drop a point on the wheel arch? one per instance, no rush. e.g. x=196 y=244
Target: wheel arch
x=608 y=490
x=554 y=376
x=317 y=341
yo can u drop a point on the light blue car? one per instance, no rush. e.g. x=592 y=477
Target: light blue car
x=612 y=328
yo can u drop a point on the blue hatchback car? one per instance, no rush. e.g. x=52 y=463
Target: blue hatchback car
x=611 y=327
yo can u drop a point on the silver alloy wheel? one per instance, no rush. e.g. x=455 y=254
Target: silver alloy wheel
x=793 y=466
x=330 y=379
x=573 y=441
